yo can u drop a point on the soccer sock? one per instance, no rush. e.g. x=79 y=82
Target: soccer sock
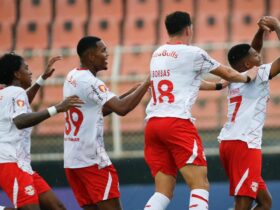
x=2 y=207
x=157 y=202
x=199 y=199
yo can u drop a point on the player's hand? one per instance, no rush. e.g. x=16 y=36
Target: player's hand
x=49 y=70
x=262 y=25
x=269 y=22
x=252 y=73
x=68 y=103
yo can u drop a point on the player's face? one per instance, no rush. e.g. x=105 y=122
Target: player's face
x=100 y=60
x=253 y=59
x=24 y=76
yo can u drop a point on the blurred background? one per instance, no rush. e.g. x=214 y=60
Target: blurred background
x=132 y=29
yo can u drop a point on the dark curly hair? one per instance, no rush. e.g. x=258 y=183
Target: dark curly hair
x=9 y=64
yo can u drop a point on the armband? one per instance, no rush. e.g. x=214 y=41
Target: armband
x=219 y=86
x=248 y=79
x=40 y=81
x=52 y=110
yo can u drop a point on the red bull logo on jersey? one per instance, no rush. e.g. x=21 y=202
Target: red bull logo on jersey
x=20 y=103
x=166 y=53
x=29 y=190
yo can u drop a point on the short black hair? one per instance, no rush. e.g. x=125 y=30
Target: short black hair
x=176 y=22
x=9 y=64
x=238 y=53
x=86 y=43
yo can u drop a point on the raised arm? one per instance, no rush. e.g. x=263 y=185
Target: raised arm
x=257 y=42
x=275 y=68
x=32 y=91
x=30 y=119
x=274 y=24
x=122 y=106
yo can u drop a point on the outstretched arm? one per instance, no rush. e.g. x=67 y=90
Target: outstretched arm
x=122 y=106
x=232 y=75
x=106 y=110
x=206 y=85
x=32 y=91
x=30 y=119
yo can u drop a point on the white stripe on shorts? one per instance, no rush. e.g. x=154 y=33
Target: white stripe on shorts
x=194 y=154
x=15 y=192
x=108 y=187
x=240 y=183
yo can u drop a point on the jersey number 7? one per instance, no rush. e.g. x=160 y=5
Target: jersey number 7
x=237 y=100
x=73 y=118
x=165 y=88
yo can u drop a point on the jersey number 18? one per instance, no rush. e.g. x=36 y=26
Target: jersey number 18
x=163 y=92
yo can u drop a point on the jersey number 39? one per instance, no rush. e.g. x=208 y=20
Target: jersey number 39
x=73 y=120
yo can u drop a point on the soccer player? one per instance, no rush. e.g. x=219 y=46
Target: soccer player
x=171 y=140
x=88 y=168
x=241 y=137
x=25 y=188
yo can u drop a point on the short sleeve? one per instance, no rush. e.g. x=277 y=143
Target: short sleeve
x=204 y=63
x=263 y=73
x=98 y=92
x=19 y=104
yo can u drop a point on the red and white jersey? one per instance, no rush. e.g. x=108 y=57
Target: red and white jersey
x=14 y=143
x=176 y=73
x=83 y=135
x=246 y=109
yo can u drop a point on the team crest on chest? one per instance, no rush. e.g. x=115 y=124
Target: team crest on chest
x=29 y=190
x=20 y=103
x=102 y=88
x=254 y=186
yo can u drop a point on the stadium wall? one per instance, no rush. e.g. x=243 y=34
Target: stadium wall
x=135 y=170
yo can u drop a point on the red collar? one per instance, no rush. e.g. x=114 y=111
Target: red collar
x=174 y=43
x=2 y=86
x=81 y=69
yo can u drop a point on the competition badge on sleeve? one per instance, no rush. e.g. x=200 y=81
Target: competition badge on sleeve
x=20 y=103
